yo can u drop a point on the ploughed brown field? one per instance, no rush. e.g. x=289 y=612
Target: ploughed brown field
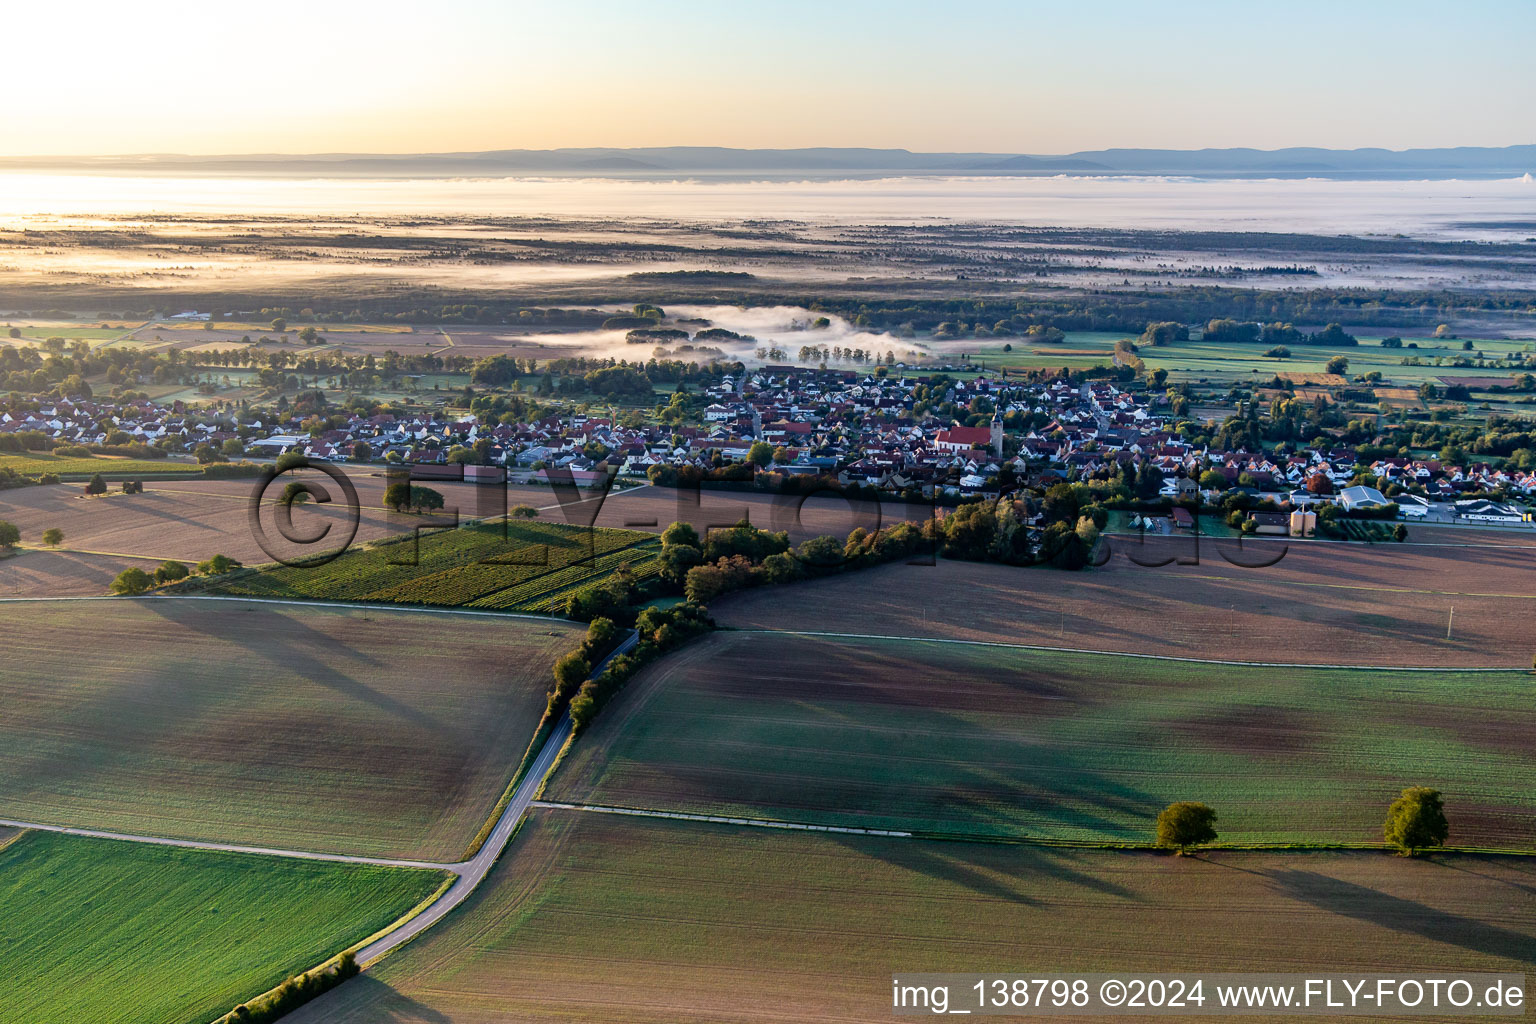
x=598 y=918
x=1323 y=604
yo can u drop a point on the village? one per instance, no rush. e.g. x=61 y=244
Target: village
x=878 y=431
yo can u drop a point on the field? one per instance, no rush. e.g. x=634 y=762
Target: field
x=596 y=918
x=1463 y=602
x=100 y=932
x=190 y=520
x=510 y=566
x=345 y=731
x=37 y=463
x=910 y=735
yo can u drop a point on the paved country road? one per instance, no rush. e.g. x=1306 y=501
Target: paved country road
x=473 y=871
x=470 y=872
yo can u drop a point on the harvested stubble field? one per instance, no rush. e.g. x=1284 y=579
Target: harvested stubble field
x=959 y=738
x=597 y=918
x=370 y=732
x=100 y=932
x=1323 y=603
x=510 y=565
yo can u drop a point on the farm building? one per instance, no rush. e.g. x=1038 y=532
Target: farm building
x=1360 y=496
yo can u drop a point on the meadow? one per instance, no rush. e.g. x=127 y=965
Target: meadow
x=503 y=565
x=356 y=731
x=599 y=918
x=94 y=931
x=993 y=741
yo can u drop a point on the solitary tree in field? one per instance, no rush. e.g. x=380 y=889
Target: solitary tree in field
x=1416 y=820
x=10 y=536
x=53 y=536
x=1338 y=365
x=96 y=486
x=1185 y=824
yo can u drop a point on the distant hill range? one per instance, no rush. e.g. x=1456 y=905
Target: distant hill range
x=1460 y=162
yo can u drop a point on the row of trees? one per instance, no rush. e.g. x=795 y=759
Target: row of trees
x=1415 y=822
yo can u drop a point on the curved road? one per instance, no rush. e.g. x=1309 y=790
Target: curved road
x=472 y=871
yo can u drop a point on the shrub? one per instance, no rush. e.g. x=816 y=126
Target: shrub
x=53 y=536
x=524 y=512
x=1416 y=820
x=131 y=581
x=1185 y=824
x=96 y=486
x=170 y=571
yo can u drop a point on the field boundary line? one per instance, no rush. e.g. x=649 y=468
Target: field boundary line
x=1109 y=654
x=215 y=847
x=933 y=836
x=716 y=819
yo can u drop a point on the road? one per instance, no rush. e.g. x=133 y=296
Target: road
x=472 y=872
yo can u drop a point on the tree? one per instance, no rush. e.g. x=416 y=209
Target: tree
x=680 y=533
x=570 y=672
x=10 y=536
x=53 y=536
x=1185 y=824
x=170 y=571
x=96 y=486
x=760 y=454
x=131 y=581
x=1338 y=365
x=291 y=460
x=279 y=325
x=524 y=512
x=1400 y=533
x=295 y=493
x=1213 y=480
x=1416 y=820
x=362 y=451
x=218 y=565
x=402 y=496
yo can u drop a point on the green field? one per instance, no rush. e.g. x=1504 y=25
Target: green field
x=37 y=463
x=1237 y=362
x=524 y=566
x=118 y=933
x=1007 y=742
x=355 y=731
x=599 y=918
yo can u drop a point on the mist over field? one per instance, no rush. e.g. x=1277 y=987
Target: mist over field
x=1420 y=208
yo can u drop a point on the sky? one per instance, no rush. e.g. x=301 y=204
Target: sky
x=104 y=77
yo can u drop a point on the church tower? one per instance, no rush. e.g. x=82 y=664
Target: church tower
x=997 y=431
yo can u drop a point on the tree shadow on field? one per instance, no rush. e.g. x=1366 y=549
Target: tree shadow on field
x=1403 y=915
x=1004 y=872
x=365 y=998
x=303 y=650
